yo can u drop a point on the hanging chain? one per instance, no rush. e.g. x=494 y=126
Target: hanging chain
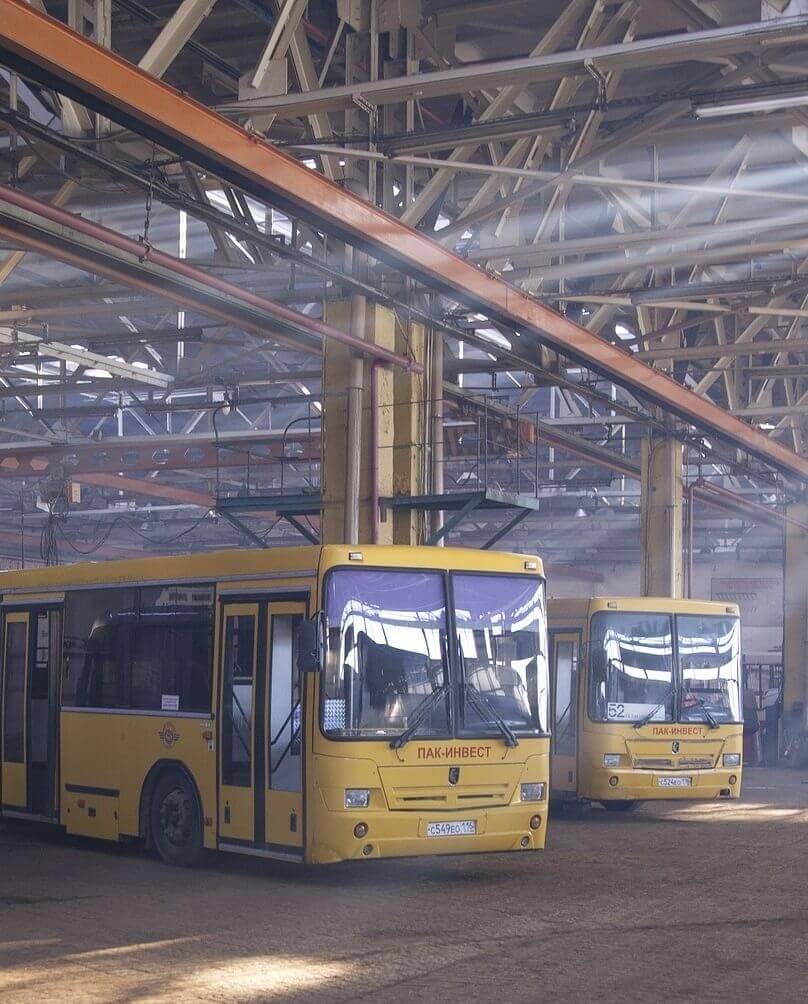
x=144 y=240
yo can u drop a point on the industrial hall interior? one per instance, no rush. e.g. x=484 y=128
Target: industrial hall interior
x=403 y=500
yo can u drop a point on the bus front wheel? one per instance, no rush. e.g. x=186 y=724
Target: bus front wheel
x=621 y=805
x=176 y=822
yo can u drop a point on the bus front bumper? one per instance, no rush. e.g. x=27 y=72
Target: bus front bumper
x=393 y=834
x=645 y=785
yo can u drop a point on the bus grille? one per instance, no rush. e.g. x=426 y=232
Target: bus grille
x=682 y=763
x=696 y=763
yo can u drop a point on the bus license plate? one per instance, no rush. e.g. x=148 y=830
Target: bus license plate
x=674 y=782
x=458 y=828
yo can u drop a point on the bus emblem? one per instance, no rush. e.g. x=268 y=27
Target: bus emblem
x=675 y=746
x=454 y=775
x=168 y=735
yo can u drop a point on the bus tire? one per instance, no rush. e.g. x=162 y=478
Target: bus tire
x=621 y=804
x=176 y=820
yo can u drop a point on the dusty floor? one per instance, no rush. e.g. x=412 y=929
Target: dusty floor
x=705 y=903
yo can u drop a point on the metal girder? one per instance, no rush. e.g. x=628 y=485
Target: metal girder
x=237 y=524
x=152 y=488
x=83 y=357
x=301 y=528
x=45 y=50
x=510 y=525
x=154 y=453
x=450 y=522
x=177 y=31
x=482 y=76
x=733 y=349
x=460 y=504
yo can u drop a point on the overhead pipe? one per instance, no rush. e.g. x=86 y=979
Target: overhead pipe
x=145 y=252
x=723 y=498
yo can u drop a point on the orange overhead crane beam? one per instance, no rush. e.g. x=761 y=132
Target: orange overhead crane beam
x=45 y=50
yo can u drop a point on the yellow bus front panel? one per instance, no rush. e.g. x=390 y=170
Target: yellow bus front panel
x=683 y=737
x=660 y=761
x=412 y=798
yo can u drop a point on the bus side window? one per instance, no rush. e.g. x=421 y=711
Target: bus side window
x=237 y=703
x=566 y=686
x=14 y=697
x=285 y=740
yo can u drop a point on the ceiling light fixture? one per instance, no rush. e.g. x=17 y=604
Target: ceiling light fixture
x=769 y=104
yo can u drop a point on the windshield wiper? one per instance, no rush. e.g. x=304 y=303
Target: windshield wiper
x=708 y=715
x=489 y=714
x=419 y=716
x=647 y=718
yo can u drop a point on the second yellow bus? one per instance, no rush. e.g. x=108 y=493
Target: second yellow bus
x=647 y=700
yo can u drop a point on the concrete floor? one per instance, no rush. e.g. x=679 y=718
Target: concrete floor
x=706 y=902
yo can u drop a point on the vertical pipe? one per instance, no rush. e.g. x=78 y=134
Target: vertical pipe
x=690 y=537
x=674 y=545
x=374 y=447
x=438 y=455
x=354 y=431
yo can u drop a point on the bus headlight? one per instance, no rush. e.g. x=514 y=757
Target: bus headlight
x=357 y=798
x=611 y=759
x=532 y=792
x=732 y=759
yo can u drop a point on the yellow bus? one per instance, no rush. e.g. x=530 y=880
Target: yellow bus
x=312 y=703
x=647 y=700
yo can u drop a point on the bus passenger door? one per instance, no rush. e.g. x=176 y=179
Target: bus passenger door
x=31 y=646
x=565 y=649
x=284 y=729
x=15 y=732
x=237 y=745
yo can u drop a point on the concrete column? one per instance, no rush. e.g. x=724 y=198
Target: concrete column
x=795 y=621
x=389 y=405
x=661 y=516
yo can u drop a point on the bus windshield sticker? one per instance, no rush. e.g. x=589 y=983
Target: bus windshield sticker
x=626 y=711
x=170 y=702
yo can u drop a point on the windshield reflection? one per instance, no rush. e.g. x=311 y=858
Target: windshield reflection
x=709 y=653
x=384 y=652
x=386 y=655
x=501 y=628
x=632 y=668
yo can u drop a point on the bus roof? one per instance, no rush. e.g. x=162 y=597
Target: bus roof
x=246 y=563
x=576 y=608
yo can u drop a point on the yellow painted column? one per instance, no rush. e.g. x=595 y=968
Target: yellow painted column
x=795 y=620
x=395 y=425
x=661 y=516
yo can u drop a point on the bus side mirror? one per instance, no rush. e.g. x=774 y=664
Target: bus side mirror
x=309 y=646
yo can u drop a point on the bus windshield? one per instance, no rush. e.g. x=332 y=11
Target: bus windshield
x=501 y=623
x=387 y=662
x=632 y=674
x=631 y=667
x=386 y=653
x=710 y=658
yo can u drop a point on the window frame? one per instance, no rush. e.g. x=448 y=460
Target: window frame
x=125 y=672
x=452 y=673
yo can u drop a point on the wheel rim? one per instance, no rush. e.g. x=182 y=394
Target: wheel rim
x=177 y=817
